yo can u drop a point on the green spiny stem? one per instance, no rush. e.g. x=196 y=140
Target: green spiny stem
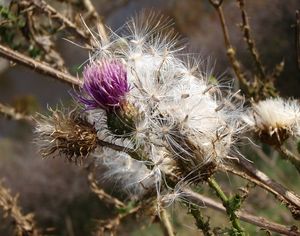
x=229 y=209
x=201 y=223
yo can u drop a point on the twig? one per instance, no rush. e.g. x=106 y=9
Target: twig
x=166 y=224
x=230 y=50
x=250 y=173
x=97 y=18
x=102 y=195
x=248 y=38
x=298 y=37
x=112 y=224
x=46 y=8
x=38 y=66
x=24 y=224
x=225 y=200
x=201 y=200
x=44 y=42
x=11 y=113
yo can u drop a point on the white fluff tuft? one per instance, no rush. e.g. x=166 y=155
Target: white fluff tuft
x=275 y=116
x=124 y=173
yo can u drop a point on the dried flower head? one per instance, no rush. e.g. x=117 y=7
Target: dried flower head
x=66 y=133
x=105 y=84
x=275 y=119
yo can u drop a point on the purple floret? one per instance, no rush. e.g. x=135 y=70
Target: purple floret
x=105 y=85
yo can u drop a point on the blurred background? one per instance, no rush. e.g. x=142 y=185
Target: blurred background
x=56 y=191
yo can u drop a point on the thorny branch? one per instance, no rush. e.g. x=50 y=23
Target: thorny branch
x=250 y=173
x=24 y=224
x=230 y=50
x=40 y=67
x=248 y=38
x=54 y=14
x=298 y=37
x=255 y=88
x=11 y=113
x=51 y=55
x=97 y=18
x=112 y=224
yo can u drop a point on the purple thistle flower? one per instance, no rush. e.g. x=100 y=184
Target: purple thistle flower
x=105 y=84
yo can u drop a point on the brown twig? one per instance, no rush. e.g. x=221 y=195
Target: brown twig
x=38 y=66
x=245 y=26
x=54 y=14
x=250 y=173
x=102 y=195
x=24 y=224
x=230 y=50
x=201 y=200
x=11 y=113
x=97 y=18
x=52 y=56
x=298 y=37
x=112 y=224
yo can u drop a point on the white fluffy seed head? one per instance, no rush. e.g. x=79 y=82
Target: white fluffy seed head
x=183 y=114
x=274 y=119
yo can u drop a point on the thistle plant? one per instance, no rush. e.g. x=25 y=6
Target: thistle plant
x=188 y=127
x=148 y=120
